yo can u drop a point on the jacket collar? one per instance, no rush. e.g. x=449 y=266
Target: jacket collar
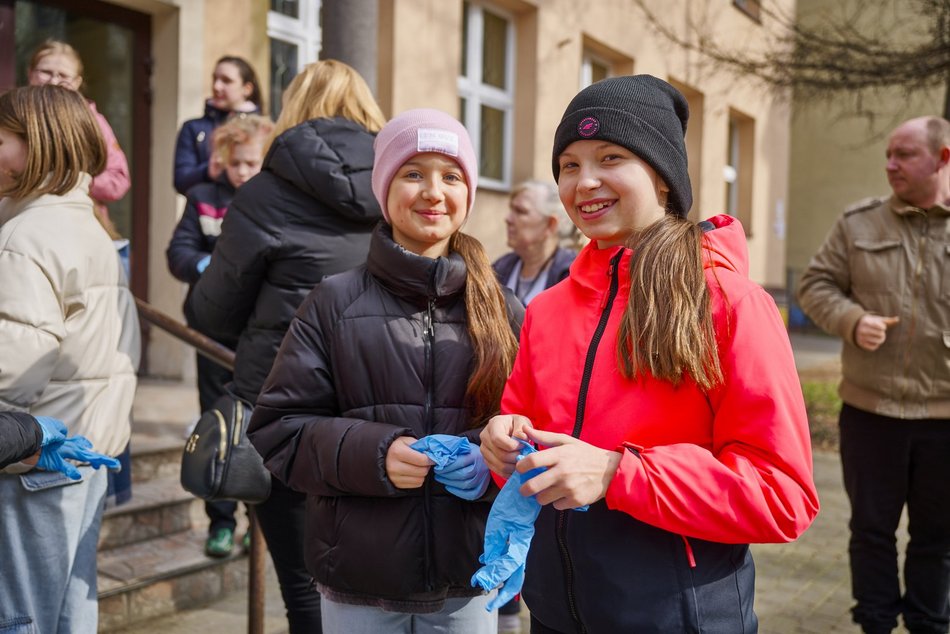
x=411 y=276
x=902 y=208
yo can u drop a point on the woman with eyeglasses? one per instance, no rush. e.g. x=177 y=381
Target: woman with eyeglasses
x=59 y=64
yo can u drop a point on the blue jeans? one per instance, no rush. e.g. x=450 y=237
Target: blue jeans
x=459 y=616
x=49 y=530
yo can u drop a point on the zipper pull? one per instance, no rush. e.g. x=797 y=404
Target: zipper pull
x=429 y=330
x=611 y=270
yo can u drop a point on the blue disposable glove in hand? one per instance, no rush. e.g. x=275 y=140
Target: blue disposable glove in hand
x=54 y=457
x=203 y=263
x=467 y=477
x=508 y=536
x=458 y=464
x=54 y=430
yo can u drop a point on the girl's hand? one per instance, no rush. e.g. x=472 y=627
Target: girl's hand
x=406 y=467
x=499 y=448
x=577 y=473
x=215 y=167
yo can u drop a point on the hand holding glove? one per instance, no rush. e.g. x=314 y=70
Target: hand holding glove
x=466 y=477
x=458 y=464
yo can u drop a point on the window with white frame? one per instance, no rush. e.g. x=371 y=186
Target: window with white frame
x=593 y=69
x=293 y=27
x=738 y=171
x=486 y=89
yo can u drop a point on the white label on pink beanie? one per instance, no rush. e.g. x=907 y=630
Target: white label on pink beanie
x=432 y=140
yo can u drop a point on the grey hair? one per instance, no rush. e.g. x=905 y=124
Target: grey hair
x=569 y=236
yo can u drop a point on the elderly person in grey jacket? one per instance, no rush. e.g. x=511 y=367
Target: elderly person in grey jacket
x=881 y=282
x=543 y=240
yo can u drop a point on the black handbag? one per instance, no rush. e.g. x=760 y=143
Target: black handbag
x=219 y=462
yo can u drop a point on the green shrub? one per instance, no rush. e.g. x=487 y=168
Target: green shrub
x=822 y=405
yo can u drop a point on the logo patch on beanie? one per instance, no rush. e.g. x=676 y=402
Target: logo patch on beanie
x=433 y=140
x=588 y=127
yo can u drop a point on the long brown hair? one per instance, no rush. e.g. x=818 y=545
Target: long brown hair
x=62 y=138
x=667 y=327
x=493 y=343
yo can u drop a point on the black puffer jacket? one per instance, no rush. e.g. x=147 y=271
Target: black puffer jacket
x=308 y=214
x=373 y=354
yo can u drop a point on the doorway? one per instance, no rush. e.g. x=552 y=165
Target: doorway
x=113 y=43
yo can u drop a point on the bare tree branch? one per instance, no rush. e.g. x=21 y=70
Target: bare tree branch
x=837 y=55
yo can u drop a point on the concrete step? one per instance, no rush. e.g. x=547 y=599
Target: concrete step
x=158 y=507
x=155 y=457
x=154 y=578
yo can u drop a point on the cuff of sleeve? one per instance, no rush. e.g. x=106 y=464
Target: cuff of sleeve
x=618 y=495
x=849 y=322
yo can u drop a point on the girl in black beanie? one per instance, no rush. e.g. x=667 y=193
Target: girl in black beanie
x=660 y=383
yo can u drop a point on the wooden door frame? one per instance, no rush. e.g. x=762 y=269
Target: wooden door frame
x=141 y=26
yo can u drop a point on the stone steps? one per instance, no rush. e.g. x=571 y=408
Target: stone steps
x=151 y=561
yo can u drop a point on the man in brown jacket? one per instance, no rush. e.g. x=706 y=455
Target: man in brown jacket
x=881 y=282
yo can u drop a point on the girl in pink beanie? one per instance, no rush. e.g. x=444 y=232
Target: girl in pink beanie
x=405 y=353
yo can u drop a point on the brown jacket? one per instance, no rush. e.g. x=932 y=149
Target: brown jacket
x=888 y=258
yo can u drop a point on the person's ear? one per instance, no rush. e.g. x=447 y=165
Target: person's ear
x=944 y=156
x=248 y=89
x=77 y=82
x=552 y=224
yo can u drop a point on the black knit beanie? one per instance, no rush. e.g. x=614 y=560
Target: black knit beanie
x=642 y=113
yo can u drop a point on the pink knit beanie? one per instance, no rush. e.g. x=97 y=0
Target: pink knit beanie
x=416 y=132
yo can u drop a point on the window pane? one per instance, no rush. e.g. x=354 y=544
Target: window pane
x=283 y=67
x=462 y=111
x=463 y=71
x=598 y=71
x=492 y=143
x=494 y=50
x=286 y=7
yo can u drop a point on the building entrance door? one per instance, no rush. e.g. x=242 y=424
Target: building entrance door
x=113 y=43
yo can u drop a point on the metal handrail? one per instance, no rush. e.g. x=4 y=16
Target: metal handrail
x=223 y=356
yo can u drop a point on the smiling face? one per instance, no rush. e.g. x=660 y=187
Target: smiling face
x=12 y=158
x=608 y=192
x=244 y=161
x=913 y=170
x=228 y=90
x=427 y=203
x=56 y=69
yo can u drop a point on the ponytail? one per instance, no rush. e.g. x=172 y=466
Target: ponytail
x=667 y=328
x=493 y=342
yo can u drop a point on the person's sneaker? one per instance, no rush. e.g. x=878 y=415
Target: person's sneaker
x=220 y=543
x=509 y=624
x=246 y=542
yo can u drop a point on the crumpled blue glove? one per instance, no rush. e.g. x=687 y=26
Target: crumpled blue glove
x=54 y=430
x=203 y=264
x=55 y=455
x=458 y=464
x=508 y=536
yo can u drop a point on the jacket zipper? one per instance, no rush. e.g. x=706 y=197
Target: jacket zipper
x=911 y=326
x=561 y=524
x=428 y=338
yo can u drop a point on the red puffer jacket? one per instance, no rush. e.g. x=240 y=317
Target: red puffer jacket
x=728 y=467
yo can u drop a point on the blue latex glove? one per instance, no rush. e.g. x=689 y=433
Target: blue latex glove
x=55 y=455
x=508 y=536
x=458 y=464
x=467 y=477
x=54 y=430
x=203 y=264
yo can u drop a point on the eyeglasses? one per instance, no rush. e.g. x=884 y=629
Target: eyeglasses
x=50 y=75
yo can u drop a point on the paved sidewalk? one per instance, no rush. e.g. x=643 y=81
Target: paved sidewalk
x=802 y=587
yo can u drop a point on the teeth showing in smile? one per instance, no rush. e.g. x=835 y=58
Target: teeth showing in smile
x=589 y=209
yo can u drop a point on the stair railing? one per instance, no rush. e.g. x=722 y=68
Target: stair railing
x=224 y=357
